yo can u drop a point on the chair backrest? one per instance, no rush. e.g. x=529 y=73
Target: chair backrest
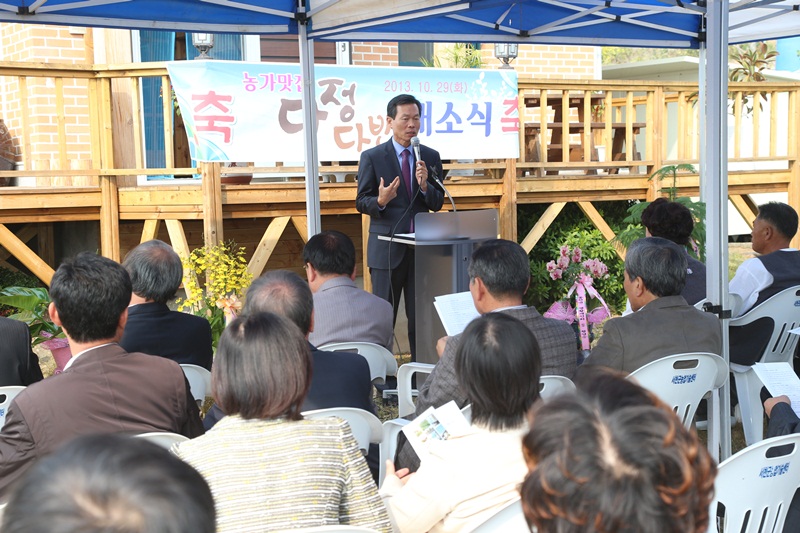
x=682 y=380
x=756 y=485
x=550 y=386
x=783 y=309
x=405 y=396
x=381 y=361
x=7 y=394
x=199 y=381
x=340 y=529
x=365 y=426
x=165 y=439
x=509 y=519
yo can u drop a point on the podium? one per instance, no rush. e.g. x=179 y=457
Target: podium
x=443 y=244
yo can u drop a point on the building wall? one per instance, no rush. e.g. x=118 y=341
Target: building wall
x=39 y=43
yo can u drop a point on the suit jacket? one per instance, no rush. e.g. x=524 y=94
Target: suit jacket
x=373 y=323
x=152 y=328
x=18 y=364
x=105 y=390
x=665 y=326
x=557 y=344
x=381 y=162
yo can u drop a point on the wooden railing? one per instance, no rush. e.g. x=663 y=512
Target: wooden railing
x=80 y=136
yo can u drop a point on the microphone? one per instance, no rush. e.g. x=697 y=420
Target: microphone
x=415 y=146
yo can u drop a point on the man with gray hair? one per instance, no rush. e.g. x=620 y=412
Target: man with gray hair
x=662 y=322
x=499 y=275
x=156 y=273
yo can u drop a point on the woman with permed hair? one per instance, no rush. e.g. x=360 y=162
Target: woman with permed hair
x=612 y=458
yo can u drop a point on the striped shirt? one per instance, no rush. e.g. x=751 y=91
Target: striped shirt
x=269 y=475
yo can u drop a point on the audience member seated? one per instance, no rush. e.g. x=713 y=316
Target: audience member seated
x=499 y=274
x=156 y=273
x=784 y=421
x=662 y=322
x=614 y=458
x=104 y=483
x=757 y=279
x=673 y=221
x=267 y=467
x=330 y=262
x=18 y=364
x=466 y=479
x=103 y=388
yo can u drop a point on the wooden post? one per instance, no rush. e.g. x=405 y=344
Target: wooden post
x=109 y=203
x=364 y=238
x=212 y=203
x=508 y=202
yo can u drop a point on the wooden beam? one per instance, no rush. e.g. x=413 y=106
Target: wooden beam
x=541 y=225
x=109 y=207
x=45 y=243
x=150 y=229
x=177 y=238
x=24 y=234
x=600 y=223
x=20 y=250
x=300 y=223
x=212 y=203
x=746 y=207
x=267 y=245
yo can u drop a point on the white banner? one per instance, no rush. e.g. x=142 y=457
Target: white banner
x=250 y=112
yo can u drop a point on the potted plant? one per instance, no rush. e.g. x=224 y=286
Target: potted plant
x=31 y=304
x=215 y=280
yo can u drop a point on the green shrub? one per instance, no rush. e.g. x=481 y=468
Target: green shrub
x=572 y=228
x=11 y=278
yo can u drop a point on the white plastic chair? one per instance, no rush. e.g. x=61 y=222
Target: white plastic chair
x=682 y=380
x=7 y=394
x=784 y=310
x=405 y=394
x=550 y=386
x=754 y=487
x=165 y=439
x=510 y=519
x=365 y=426
x=381 y=361
x=199 y=381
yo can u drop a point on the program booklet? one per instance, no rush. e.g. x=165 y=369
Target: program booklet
x=435 y=424
x=455 y=311
x=780 y=379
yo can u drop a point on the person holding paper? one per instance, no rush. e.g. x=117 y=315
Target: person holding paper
x=391 y=193
x=784 y=421
x=499 y=274
x=467 y=478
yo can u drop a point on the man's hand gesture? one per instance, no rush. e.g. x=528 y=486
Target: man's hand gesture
x=387 y=193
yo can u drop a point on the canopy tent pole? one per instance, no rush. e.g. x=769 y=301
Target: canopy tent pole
x=714 y=192
x=314 y=222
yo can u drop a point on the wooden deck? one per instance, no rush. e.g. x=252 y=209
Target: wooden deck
x=99 y=184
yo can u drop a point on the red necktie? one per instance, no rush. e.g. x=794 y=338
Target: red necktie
x=406 y=168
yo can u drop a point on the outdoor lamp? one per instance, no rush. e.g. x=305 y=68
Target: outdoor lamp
x=506 y=52
x=203 y=42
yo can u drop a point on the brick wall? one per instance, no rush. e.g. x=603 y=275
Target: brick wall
x=46 y=44
x=375 y=54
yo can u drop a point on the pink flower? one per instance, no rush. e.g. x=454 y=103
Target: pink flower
x=564 y=251
x=556 y=274
x=563 y=262
x=576 y=255
x=551 y=266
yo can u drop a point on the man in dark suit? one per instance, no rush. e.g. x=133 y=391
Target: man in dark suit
x=499 y=273
x=391 y=194
x=103 y=388
x=156 y=273
x=18 y=364
x=662 y=322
